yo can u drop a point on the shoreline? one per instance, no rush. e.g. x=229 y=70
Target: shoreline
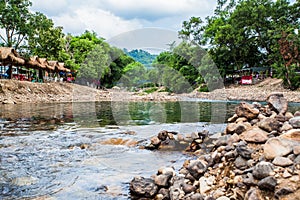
x=16 y=92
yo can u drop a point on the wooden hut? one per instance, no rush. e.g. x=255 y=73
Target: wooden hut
x=9 y=57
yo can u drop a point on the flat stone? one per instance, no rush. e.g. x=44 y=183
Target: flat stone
x=278 y=103
x=277 y=147
x=295 y=122
x=293 y=134
x=269 y=124
x=262 y=169
x=255 y=134
x=282 y=161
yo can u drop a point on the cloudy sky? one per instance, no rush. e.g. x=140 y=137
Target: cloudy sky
x=109 y=18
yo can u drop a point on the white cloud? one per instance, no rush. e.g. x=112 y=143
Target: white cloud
x=111 y=17
x=103 y=22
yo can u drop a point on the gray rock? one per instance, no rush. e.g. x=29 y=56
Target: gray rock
x=249 y=180
x=187 y=188
x=295 y=122
x=240 y=163
x=282 y=161
x=278 y=103
x=244 y=151
x=277 y=147
x=269 y=124
x=262 y=169
x=297 y=160
x=162 y=180
x=253 y=194
x=255 y=134
x=246 y=110
x=144 y=187
x=197 y=168
x=283 y=191
x=164 y=193
x=268 y=183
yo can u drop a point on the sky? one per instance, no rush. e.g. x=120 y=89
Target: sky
x=109 y=18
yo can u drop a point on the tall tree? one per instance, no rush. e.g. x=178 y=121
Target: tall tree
x=15 y=21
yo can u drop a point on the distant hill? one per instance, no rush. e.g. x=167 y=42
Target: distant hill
x=141 y=56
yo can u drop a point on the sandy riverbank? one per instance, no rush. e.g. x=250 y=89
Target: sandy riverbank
x=13 y=91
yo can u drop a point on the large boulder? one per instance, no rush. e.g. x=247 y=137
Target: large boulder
x=255 y=134
x=269 y=124
x=143 y=187
x=246 y=110
x=278 y=103
x=275 y=147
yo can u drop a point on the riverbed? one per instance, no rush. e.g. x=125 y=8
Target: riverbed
x=92 y=150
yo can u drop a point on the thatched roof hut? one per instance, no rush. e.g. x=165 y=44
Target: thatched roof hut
x=8 y=55
x=45 y=63
x=34 y=62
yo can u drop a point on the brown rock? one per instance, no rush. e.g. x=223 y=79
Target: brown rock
x=235 y=128
x=246 y=110
x=255 y=134
x=253 y=194
x=155 y=141
x=282 y=161
x=269 y=124
x=278 y=103
x=293 y=134
x=233 y=118
x=296 y=150
x=277 y=147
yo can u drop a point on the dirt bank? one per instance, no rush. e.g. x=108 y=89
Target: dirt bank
x=13 y=91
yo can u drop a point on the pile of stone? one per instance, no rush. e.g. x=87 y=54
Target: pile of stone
x=257 y=157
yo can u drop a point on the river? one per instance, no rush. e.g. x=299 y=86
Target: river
x=92 y=150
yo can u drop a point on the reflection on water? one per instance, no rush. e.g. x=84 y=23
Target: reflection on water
x=61 y=150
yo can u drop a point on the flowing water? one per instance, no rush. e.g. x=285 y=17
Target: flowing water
x=91 y=150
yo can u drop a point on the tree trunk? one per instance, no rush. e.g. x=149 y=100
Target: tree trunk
x=9 y=71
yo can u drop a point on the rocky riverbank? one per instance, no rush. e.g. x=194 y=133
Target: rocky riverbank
x=14 y=92
x=257 y=157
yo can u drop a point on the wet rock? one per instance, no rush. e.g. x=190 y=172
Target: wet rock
x=163 y=135
x=162 y=180
x=253 y=194
x=255 y=134
x=269 y=124
x=295 y=122
x=246 y=110
x=278 y=103
x=282 y=161
x=196 y=168
x=268 y=183
x=262 y=170
x=244 y=151
x=155 y=141
x=276 y=147
x=143 y=187
x=293 y=134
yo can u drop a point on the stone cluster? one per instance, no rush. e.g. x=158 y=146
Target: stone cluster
x=257 y=157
